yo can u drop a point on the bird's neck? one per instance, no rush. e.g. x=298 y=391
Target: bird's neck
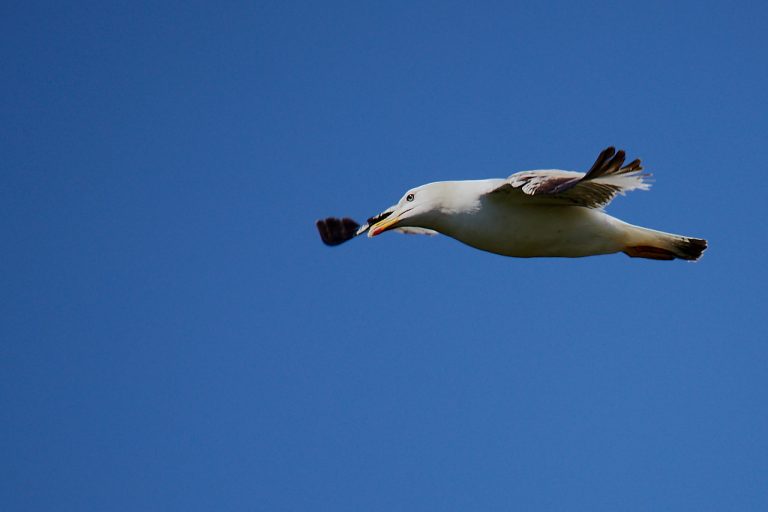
x=458 y=201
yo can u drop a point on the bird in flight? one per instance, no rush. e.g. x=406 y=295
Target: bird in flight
x=543 y=213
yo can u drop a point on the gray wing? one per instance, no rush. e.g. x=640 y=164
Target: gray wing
x=593 y=189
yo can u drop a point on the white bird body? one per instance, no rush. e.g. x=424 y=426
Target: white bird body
x=516 y=227
x=549 y=213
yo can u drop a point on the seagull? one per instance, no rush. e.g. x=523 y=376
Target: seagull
x=541 y=213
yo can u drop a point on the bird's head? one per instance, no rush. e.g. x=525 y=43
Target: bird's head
x=420 y=207
x=412 y=208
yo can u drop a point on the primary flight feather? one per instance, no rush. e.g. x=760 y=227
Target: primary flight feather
x=529 y=214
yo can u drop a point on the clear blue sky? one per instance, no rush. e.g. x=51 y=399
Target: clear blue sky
x=176 y=337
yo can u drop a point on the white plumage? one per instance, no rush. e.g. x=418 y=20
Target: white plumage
x=529 y=214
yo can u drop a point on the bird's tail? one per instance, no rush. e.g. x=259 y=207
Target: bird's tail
x=658 y=245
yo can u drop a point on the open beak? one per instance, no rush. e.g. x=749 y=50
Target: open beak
x=388 y=222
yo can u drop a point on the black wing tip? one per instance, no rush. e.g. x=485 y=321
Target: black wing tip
x=611 y=161
x=336 y=231
x=633 y=166
x=600 y=163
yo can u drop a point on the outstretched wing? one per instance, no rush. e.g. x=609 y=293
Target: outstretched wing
x=593 y=189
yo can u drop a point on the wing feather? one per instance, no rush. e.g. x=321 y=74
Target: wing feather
x=594 y=189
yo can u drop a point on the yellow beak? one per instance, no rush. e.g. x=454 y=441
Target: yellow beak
x=383 y=225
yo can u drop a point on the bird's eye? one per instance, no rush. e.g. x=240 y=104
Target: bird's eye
x=409 y=197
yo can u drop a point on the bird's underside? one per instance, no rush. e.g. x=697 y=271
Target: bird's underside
x=530 y=214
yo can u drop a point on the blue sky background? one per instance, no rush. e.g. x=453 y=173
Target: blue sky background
x=176 y=337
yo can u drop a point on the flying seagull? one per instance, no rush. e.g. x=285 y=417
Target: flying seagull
x=529 y=214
